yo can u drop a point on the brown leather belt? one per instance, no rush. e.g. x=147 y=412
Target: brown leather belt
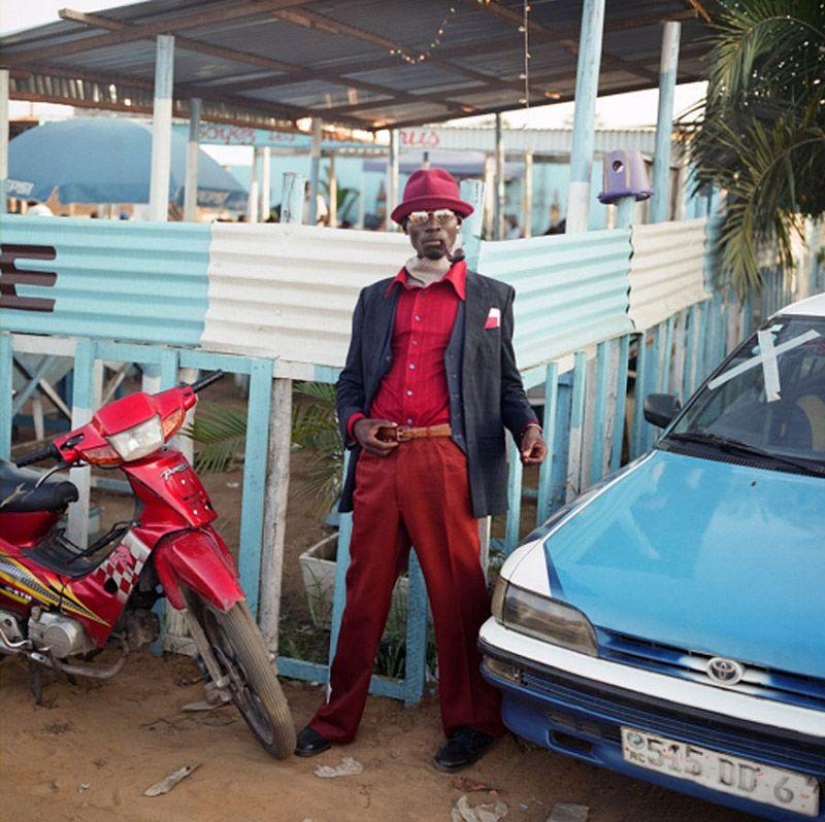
x=405 y=433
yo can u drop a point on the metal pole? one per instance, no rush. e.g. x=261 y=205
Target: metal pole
x=527 y=200
x=315 y=170
x=498 y=203
x=392 y=180
x=660 y=205
x=587 y=85
x=266 y=183
x=190 y=192
x=162 y=128
x=292 y=202
x=4 y=136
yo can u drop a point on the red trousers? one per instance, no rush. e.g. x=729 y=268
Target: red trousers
x=418 y=496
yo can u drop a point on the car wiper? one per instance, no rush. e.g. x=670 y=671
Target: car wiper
x=727 y=444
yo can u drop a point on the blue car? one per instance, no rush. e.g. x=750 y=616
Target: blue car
x=669 y=624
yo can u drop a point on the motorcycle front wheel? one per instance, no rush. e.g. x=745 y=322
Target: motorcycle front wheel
x=244 y=660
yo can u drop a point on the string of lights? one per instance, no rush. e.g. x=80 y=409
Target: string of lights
x=434 y=43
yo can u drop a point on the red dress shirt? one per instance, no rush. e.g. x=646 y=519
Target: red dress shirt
x=414 y=391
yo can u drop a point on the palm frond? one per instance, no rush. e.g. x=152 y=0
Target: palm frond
x=222 y=433
x=761 y=138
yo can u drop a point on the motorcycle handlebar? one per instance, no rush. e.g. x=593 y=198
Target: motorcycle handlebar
x=206 y=380
x=46 y=452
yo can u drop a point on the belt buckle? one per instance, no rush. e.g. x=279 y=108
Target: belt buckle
x=402 y=434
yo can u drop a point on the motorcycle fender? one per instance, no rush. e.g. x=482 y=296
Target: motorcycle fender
x=195 y=559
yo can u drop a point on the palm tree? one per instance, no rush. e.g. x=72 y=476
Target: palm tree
x=762 y=136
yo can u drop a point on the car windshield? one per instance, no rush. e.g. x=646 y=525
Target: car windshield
x=770 y=396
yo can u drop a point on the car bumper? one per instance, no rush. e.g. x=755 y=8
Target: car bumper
x=576 y=705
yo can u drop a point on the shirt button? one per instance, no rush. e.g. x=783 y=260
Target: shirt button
x=409 y=420
x=412 y=366
x=409 y=392
x=417 y=318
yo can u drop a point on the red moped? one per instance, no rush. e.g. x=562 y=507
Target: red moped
x=60 y=603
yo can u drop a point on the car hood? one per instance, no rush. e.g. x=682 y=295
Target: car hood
x=702 y=555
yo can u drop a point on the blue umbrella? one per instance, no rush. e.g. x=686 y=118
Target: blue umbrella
x=108 y=160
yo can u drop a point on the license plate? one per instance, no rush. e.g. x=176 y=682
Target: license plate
x=721 y=772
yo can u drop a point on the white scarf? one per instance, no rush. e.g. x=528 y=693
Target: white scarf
x=422 y=271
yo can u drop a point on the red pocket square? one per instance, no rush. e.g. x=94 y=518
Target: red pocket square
x=493 y=318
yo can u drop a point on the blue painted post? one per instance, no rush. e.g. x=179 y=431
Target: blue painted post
x=4 y=136
x=574 y=473
x=639 y=391
x=551 y=404
x=599 y=411
x=587 y=82
x=340 y=591
x=415 y=662
x=254 y=475
x=667 y=357
x=6 y=358
x=85 y=398
x=514 y=483
x=691 y=344
x=472 y=192
x=621 y=401
x=660 y=207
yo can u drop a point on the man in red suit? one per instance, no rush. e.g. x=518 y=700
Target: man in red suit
x=429 y=387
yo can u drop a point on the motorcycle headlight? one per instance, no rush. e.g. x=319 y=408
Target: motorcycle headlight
x=138 y=441
x=543 y=618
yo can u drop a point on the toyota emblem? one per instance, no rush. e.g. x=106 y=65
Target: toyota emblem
x=725 y=671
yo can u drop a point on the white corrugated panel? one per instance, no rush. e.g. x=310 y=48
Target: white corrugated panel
x=667 y=270
x=571 y=290
x=288 y=291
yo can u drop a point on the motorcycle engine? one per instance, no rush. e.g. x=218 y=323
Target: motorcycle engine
x=57 y=634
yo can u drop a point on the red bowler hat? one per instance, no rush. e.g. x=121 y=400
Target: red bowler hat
x=429 y=189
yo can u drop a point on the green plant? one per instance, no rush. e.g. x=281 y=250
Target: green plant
x=222 y=433
x=315 y=431
x=762 y=135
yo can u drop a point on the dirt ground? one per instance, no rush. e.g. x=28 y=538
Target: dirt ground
x=88 y=753
x=91 y=749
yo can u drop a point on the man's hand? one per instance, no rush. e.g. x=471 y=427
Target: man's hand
x=365 y=432
x=533 y=448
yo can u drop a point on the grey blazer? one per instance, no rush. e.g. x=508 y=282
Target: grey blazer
x=486 y=391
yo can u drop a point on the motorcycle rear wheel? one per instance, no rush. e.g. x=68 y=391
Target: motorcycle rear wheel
x=243 y=658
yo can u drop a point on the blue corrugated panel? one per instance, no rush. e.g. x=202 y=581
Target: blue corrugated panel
x=572 y=290
x=123 y=280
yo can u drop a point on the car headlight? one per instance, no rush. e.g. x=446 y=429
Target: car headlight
x=543 y=618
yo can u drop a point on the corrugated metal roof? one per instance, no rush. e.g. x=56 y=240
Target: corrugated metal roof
x=358 y=63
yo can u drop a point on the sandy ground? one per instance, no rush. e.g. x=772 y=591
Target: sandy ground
x=88 y=753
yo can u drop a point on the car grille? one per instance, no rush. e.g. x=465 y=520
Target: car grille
x=607 y=709
x=758 y=681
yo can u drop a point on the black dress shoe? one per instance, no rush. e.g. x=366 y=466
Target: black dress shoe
x=311 y=743
x=464 y=747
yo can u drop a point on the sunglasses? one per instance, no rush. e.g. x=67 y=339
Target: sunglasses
x=442 y=216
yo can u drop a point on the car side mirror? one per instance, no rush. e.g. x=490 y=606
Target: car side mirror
x=660 y=409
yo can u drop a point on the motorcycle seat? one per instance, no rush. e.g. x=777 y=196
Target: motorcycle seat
x=19 y=492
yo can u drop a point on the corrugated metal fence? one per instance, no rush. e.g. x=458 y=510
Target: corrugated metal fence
x=595 y=312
